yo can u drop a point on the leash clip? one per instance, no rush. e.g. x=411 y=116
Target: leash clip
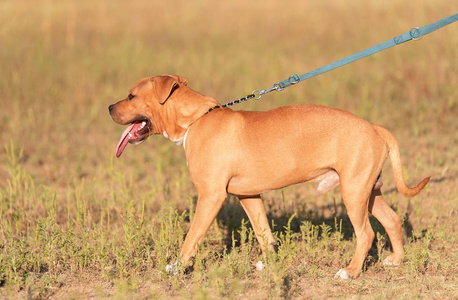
x=259 y=93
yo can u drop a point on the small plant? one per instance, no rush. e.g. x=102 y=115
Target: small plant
x=167 y=236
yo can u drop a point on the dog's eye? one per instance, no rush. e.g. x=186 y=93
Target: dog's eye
x=130 y=97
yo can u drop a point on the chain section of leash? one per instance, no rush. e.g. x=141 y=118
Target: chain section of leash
x=248 y=97
x=256 y=95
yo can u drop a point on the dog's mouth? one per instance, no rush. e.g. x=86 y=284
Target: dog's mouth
x=136 y=133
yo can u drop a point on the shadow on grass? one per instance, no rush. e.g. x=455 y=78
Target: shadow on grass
x=231 y=216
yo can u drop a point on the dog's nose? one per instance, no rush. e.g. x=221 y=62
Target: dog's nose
x=110 y=108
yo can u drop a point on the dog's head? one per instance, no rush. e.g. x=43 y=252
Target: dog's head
x=158 y=105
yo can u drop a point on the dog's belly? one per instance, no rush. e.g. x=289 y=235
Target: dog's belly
x=276 y=178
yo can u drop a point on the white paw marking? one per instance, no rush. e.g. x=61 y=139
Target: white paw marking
x=342 y=274
x=172 y=269
x=260 y=266
x=386 y=262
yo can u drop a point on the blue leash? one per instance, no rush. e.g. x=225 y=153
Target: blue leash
x=413 y=34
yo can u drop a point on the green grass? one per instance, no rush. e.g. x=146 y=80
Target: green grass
x=76 y=223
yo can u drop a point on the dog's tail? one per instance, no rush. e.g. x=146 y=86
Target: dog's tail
x=396 y=164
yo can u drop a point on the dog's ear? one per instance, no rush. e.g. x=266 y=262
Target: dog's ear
x=180 y=79
x=165 y=85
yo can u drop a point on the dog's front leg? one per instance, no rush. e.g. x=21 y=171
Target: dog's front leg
x=208 y=206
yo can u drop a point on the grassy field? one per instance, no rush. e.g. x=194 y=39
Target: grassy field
x=77 y=223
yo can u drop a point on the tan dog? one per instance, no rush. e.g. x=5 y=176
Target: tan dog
x=248 y=153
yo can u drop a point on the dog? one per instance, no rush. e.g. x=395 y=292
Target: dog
x=247 y=153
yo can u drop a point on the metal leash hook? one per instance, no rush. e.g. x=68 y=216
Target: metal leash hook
x=259 y=93
x=293 y=79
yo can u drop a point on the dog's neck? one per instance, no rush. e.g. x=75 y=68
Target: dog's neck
x=186 y=115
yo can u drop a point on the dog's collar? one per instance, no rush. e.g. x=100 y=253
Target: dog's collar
x=185 y=136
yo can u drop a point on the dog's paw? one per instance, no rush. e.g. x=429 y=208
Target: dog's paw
x=388 y=262
x=172 y=269
x=342 y=274
x=260 y=266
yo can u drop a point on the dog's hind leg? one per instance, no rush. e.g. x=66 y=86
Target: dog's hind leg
x=392 y=224
x=355 y=193
x=254 y=208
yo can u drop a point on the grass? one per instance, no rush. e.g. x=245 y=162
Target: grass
x=77 y=223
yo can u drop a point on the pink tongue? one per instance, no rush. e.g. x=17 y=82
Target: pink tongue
x=132 y=129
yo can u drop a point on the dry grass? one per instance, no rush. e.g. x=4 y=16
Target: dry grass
x=75 y=222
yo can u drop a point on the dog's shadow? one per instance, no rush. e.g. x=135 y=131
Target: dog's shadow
x=333 y=215
x=331 y=212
